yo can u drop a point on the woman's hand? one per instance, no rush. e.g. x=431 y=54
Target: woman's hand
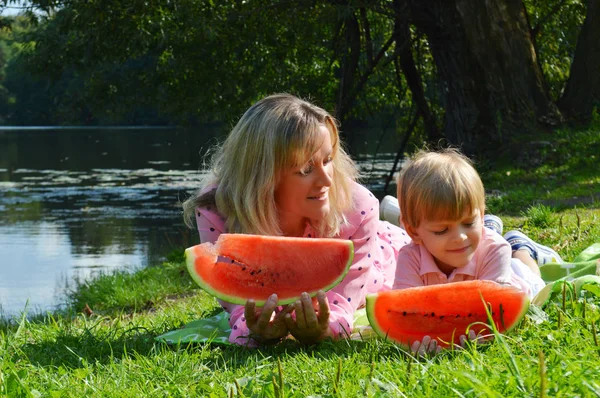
x=267 y=325
x=310 y=326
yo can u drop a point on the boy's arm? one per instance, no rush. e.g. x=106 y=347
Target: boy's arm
x=408 y=268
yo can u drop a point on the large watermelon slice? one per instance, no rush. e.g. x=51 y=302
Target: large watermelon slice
x=444 y=312
x=239 y=267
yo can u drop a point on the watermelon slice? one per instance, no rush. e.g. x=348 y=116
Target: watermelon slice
x=239 y=267
x=444 y=312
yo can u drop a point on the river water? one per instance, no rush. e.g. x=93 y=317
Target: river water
x=76 y=201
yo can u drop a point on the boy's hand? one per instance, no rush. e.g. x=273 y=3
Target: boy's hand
x=473 y=338
x=427 y=346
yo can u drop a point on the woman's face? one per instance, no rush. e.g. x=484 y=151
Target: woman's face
x=302 y=193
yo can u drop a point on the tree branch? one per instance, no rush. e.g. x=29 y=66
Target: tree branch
x=540 y=24
x=367 y=29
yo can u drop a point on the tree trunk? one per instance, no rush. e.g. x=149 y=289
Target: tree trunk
x=583 y=87
x=493 y=88
x=407 y=63
x=350 y=55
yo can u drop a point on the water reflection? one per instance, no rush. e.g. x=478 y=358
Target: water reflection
x=77 y=202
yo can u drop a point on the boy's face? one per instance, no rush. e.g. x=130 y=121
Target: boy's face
x=452 y=243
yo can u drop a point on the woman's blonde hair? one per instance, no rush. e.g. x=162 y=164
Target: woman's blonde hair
x=438 y=186
x=275 y=134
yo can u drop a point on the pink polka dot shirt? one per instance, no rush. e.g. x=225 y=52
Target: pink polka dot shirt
x=376 y=247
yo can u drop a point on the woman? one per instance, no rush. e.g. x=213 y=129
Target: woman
x=282 y=171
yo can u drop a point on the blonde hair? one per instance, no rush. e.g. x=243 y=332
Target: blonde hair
x=275 y=134
x=438 y=186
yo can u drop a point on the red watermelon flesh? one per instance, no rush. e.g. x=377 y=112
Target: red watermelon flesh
x=239 y=267
x=445 y=312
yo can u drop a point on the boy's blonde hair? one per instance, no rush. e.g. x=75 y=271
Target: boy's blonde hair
x=438 y=186
x=275 y=134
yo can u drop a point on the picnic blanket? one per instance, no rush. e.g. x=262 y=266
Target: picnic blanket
x=585 y=263
x=216 y=329
x=575 y=275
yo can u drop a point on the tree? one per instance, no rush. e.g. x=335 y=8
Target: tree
x=498 y=71
x=493 y=87
x=582 y=91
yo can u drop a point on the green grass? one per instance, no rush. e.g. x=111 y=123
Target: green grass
x=109 y=350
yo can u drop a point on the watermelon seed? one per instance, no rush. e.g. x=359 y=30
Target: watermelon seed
x=404 y=313
x=243 y=268
x=433 y=314
x=252 y=272
x=469 y=315
x=441 y=317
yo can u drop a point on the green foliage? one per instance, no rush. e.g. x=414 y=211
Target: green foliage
x=551 y=353
x=540 y=216
x=132 y=291
x=556 y=25
x=26 y=98
x=191 y=61
x=188 y=60
x=563 y=175
x=154 y=62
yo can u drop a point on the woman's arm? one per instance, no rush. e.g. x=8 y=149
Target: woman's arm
x=365 y=274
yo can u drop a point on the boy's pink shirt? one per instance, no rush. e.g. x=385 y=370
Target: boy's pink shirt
x=492 y=261
x=376 y=245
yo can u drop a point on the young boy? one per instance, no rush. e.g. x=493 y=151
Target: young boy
x=442 y=204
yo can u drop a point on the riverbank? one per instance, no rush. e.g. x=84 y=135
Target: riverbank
x=103 y=344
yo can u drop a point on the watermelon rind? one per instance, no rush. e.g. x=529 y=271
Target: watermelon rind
x=190 y=259
x=371 y=309
x=190 y=256
x=371 y=301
